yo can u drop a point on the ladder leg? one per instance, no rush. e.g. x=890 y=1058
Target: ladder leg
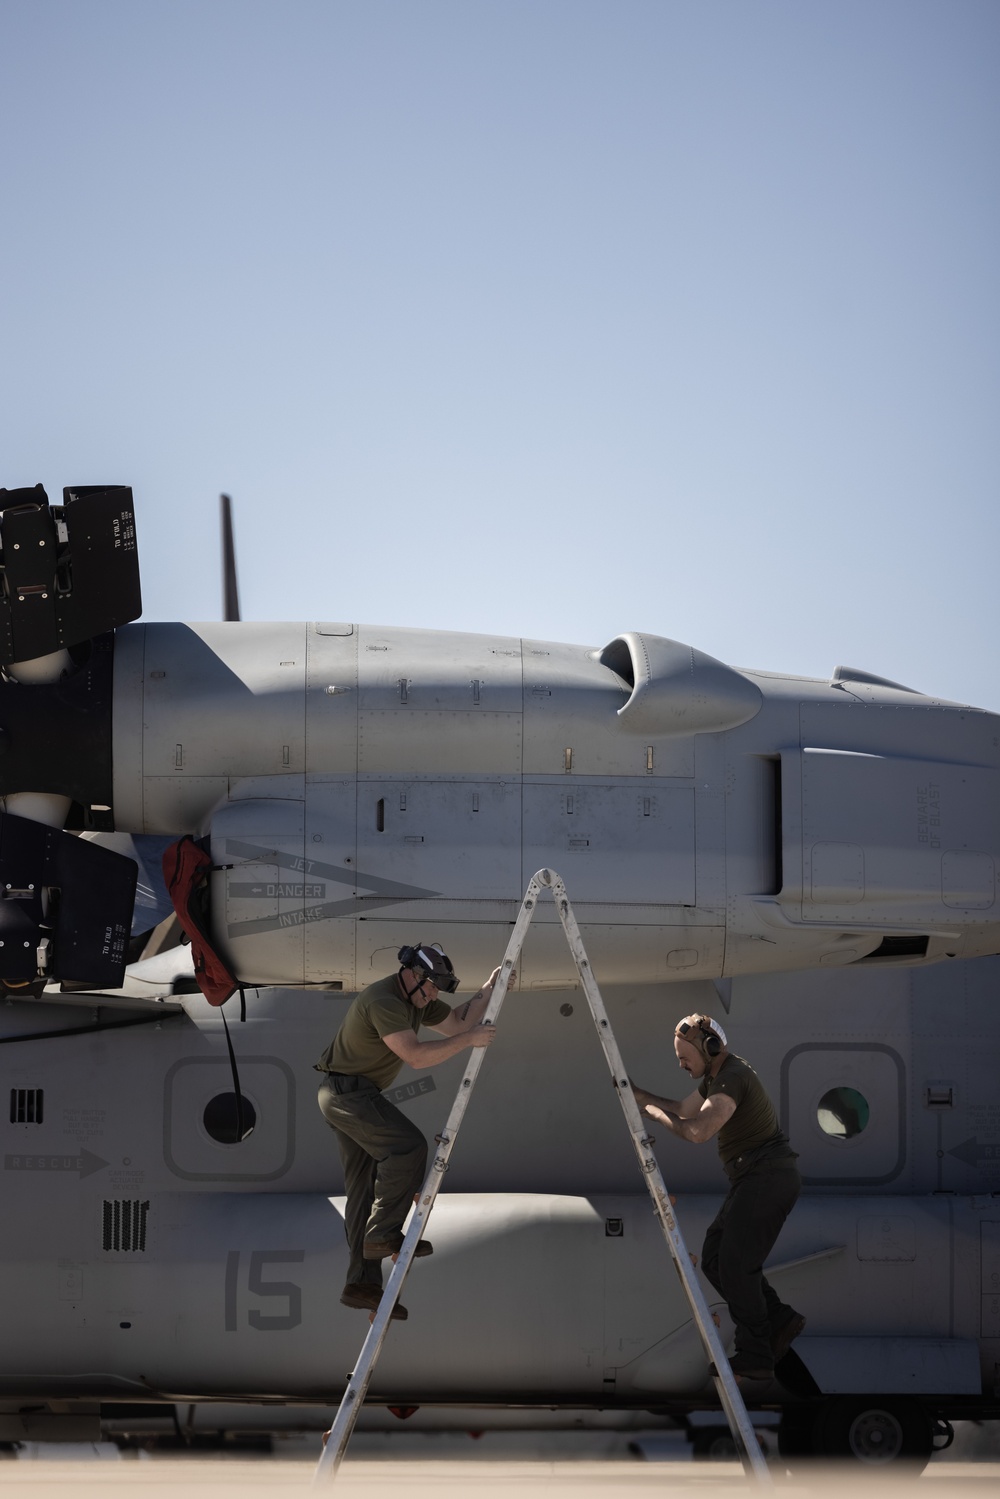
x=357 y=1385
x=725 y=1381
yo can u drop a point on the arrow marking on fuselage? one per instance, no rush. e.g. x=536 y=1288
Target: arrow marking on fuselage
x=277 y=890
x=315 y=868
x=972 y=1153
x=391 y=891
x=85 y=1163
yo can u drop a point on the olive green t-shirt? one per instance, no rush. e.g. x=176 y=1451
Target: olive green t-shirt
x=378 y=1011
x=752 y=1132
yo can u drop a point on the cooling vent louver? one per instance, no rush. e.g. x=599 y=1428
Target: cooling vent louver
x=27 y=1105
x=124 y=1225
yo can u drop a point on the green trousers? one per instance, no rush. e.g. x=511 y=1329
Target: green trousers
x=384 y=1157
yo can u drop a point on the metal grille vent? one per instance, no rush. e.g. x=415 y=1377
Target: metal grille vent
x=27 y=1105
x=124 y=1224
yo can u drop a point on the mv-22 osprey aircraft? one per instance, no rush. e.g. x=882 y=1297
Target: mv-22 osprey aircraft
x=813 y=860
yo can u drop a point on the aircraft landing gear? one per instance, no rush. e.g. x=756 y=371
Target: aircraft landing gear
x=713 y=1444
x=873 y=1430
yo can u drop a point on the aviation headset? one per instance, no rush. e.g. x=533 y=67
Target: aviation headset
x=434 y=963
x=709 y=1037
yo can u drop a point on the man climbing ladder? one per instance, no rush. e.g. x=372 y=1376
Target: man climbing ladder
x=725 y=1382
x=383 y=1153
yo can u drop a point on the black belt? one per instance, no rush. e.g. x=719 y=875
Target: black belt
x=745 y=1166
x=349 y=1082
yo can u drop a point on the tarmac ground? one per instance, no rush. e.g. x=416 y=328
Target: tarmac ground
x=496 y=1465
x=199 y=1478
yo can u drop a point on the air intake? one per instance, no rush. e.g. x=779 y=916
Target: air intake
x=676 y=690
x=899 y=947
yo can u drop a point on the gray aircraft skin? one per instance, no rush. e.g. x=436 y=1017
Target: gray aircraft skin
x=358 y=783
x=143 y=1258
x=813 y=861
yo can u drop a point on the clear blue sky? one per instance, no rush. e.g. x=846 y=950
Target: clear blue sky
x=545 y=317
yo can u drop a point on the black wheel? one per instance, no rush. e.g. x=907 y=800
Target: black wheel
x=875 y=1431
x=713 y=1444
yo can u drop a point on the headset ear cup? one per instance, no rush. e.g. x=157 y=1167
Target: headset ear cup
x=712 y=1043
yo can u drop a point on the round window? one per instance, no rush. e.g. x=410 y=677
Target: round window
x=221 y=1118
x=842 y=1113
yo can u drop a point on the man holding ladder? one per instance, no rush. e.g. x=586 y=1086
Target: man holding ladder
x=730 y=1102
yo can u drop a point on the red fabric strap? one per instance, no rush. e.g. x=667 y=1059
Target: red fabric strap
x=185 y=869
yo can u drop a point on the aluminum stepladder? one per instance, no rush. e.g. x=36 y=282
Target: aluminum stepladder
x=725 y=1381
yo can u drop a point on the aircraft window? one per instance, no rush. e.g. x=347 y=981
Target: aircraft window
x=842 y=1113
x=221 y=1118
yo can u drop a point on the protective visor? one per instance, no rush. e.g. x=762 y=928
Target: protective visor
x=437 y=963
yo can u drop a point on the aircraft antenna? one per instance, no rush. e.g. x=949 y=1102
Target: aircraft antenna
x=230 y=584
x=725 y=1380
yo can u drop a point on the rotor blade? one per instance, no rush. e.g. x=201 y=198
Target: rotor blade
x=230 y=586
